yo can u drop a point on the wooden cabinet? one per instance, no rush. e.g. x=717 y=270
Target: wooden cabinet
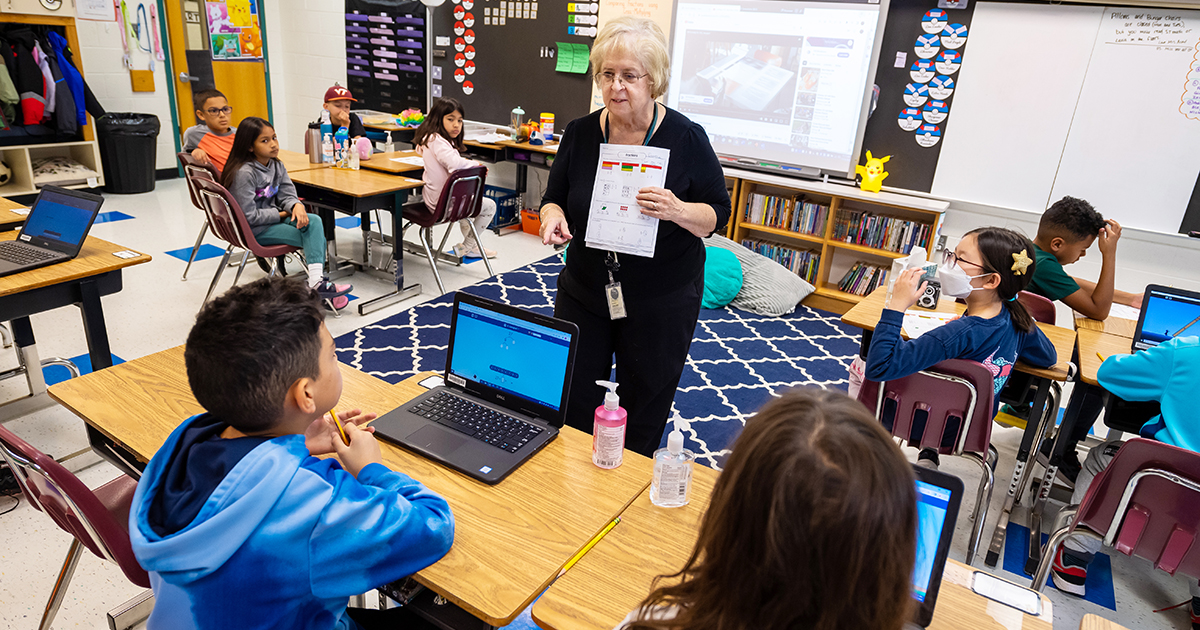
x=824 y=231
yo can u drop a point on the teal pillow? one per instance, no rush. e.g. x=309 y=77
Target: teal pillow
x=722 y=277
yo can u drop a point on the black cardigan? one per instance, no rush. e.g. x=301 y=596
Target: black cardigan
x=693 y=174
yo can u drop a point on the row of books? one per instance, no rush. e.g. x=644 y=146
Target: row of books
x=882 y=232
x=801 y=262
x=863 y=278
x=786 y=213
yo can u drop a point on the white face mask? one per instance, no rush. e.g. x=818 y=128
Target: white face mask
x=955 y=282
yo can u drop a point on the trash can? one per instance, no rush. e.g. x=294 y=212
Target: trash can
x=127 y=150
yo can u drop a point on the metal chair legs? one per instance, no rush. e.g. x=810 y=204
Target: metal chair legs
x=195 y=248
x=242 y=267
x=220 y=269
x=426 y=236
x=132 y=612
x=983 y=499
x=479 y=244
x=1062 y=528
x=60 y=585
x=6 y=336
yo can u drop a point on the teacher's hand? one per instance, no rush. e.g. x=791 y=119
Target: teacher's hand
x=661 y=203
x=554 y=229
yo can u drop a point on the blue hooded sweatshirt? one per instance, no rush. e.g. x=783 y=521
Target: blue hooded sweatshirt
x=70 y=74
x=281 y=539
x=1168 y=373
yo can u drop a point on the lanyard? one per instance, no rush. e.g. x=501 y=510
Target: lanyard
x=646 y=140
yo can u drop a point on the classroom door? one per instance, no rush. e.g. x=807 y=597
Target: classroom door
x=217 y=44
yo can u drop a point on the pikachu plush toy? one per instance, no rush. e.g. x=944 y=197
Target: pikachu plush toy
x=872 y=174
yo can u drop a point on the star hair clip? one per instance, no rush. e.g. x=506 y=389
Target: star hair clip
x=1021 y=262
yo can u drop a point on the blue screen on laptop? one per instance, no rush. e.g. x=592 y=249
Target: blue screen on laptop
x=513 y=356
x=61 y=219
x=932 y=503
x=1169 y=316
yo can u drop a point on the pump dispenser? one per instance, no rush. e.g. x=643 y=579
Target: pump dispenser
x=672 y=472
x=326 y=137
x=608 y=434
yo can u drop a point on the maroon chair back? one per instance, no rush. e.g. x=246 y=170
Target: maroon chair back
x=947 y=407
x=1146 y=503
x=191 y=169
x=1039 y=307
x=98 y=519
x=229 y=223
x=462 y=198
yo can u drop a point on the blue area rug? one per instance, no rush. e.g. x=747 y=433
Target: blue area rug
x=110 y=217
x=738 y=360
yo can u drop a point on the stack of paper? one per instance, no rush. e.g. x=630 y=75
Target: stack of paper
x=917 y=323
x=491 y=138
x=414 y=160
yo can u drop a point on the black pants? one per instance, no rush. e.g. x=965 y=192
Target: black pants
x=651 y=346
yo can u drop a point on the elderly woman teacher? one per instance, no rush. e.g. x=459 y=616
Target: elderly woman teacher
x=661 y=294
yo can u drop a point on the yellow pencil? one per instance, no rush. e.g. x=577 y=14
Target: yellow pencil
x=586 y=548
x=1100 y=356
x=333 y=414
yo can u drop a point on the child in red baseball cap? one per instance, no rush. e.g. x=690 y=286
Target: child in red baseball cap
x=337 y=102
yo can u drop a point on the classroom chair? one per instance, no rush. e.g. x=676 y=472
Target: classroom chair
x=97 y=519
x=229 y=224
x=1145 y=504
x=947 y=407
x=1019 y=389
x=460 y=199
x=193 y=169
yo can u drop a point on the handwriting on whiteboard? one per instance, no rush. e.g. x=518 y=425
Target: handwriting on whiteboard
x=1162 y=30
x=1190 y=105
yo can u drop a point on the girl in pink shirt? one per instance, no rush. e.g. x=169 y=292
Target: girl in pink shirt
x=439 y=141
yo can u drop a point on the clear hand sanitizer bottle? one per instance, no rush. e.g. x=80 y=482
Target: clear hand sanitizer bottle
x=326 y=138
x=672 y=472
x=608 y=433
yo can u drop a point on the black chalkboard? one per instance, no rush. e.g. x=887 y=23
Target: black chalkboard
x=509 y=66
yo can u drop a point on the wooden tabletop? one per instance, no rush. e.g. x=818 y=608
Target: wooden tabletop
x=1113 y=325
x=360 y=183
x=95 y=258
x=510 y=539
x=8 y=219
x=866 y=314
x=295 y=162
x=1094 y=622
x=616 y=575
x=482 y=145
x=550 y=147
x=1092 y=342
x=383 y=162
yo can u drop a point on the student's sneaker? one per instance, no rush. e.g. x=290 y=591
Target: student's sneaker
x=328 y=290
x=1069 y=573
x=1068 y=466
x=929 y=459
x=463 y=251
x=338 y=303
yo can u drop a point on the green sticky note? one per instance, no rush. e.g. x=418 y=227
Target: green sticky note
x=580 y=66
x=566 y=57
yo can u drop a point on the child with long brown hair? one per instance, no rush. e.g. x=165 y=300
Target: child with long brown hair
x=811 y=525
x=987 y=269
x=439 y=140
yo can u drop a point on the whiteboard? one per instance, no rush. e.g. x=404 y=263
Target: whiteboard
x=1132 y=148
x=1017 y=91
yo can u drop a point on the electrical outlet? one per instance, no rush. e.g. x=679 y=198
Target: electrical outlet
x=437 y=90
x=941 y=242
x=437 y=73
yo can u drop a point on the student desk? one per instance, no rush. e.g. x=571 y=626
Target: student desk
x=93 y=273
x=522 y=155
x=1118 y=326
x=383 y=162
x=10 y=220
x=616 y=575
x=295 y=162
x=1094 y=622
x=866 y=314
x=510 y=539
x=358 y=193
x=1107 y=344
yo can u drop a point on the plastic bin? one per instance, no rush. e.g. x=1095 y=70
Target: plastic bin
x=508 y=204
x=128 y=144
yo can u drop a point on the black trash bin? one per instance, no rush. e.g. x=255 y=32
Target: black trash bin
x=127 y=150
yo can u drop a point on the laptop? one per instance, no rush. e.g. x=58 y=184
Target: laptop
x=53 y=232
x=938 y=498
x=1167 y=313
x=504 y=397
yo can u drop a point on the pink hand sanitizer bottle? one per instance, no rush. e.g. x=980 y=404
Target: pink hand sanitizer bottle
x=608 y=435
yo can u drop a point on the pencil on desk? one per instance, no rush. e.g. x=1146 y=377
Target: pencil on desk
x=333 y=414
x=1100 y=356
x=586 y=548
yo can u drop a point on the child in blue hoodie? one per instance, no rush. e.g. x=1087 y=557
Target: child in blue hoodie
x=236 y=520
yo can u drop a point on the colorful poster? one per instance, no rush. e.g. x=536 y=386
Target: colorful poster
x=218 y=19
x=225 y=46
x=234 y=30
x=239 y=13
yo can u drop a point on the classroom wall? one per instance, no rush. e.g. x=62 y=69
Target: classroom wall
x=104 y=70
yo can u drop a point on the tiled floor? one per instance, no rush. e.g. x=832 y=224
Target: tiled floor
x=155 y=311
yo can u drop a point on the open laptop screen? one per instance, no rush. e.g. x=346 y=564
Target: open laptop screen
x=510 y=355
x=932 y=504
x=1167 y=313
x=59 y=221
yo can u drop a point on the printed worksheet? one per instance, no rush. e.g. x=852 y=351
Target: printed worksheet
x=615 y=221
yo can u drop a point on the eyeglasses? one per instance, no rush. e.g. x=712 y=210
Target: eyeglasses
x=213 y=111
x=950 y=258
x=626 y=78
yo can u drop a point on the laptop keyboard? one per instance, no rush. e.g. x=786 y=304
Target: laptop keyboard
x=482 y=423
x=21 y=254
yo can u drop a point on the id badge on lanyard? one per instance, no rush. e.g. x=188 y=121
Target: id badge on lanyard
x=612 y=291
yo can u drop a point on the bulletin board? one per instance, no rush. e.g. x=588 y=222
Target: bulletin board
x=387 y=46
x=492 y=63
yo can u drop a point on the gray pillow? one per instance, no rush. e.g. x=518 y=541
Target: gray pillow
x=768 y=288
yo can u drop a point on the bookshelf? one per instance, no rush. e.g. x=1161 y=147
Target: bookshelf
x=782 y=218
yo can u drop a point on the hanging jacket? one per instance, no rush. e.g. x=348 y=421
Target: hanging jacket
x=66 y=122
x=47 y=77
x=74 y=80
x=8 y=94
x=31 y=85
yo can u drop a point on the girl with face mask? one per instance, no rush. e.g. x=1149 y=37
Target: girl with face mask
x=987 y=269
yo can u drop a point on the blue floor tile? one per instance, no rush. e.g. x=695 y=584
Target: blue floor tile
x=206 y=251
x=349 y=223
x=1099 y=583
x=109 y=217
x=55 y=374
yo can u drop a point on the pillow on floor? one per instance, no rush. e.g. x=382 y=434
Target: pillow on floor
x=60 y=170
x=722 y=277
x=768 y=288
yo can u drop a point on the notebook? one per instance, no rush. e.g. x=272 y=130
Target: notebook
x=53 y=232
x=938 y=498
x=507 y=378
x=1167 y=313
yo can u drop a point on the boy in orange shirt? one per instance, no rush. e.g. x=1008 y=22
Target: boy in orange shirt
x=210 y=141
